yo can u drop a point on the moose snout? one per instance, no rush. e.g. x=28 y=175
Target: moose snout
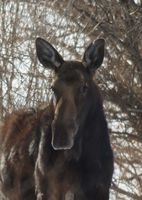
x=71 y=125
x=63 y=134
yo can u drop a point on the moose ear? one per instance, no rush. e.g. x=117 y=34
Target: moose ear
x=94 y=54
x=47 y=54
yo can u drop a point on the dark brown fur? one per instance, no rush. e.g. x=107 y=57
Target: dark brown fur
x=20 y=137
x=61 y=152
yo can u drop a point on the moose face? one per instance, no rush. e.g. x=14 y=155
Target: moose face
x=71 y=89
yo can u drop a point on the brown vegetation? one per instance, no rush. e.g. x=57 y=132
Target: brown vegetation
x=71 y=25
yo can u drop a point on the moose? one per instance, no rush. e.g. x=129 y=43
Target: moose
x=61 y=151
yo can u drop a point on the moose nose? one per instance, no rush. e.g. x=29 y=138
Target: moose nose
x=63 y=134
x=71 y=125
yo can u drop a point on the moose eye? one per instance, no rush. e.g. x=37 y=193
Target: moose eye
x=55 y=92
x=53 y=89
x=84 y=88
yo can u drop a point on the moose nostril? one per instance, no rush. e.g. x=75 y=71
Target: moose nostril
x=71 y=125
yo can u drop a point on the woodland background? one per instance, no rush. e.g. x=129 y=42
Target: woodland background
x=70 y=25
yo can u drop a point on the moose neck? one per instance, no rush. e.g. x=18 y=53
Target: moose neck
x=94 y=128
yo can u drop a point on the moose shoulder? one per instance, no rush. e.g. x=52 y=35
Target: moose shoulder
x=62 y=152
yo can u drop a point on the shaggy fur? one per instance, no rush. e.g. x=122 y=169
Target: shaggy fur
x=61 y=152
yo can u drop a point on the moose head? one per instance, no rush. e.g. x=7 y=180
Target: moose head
x=73 y=89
